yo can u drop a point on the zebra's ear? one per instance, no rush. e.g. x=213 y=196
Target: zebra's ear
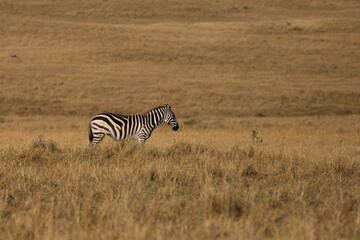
x=167 y=105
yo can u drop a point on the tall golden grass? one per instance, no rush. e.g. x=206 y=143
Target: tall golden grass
x=297 y=178
x=267 y=96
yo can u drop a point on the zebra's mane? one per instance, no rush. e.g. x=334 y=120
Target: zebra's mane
x=159 y=107
x=124 y=115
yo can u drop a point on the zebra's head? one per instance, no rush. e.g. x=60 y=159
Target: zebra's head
x=170 y=119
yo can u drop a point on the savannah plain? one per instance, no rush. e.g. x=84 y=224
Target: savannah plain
x=266 y=93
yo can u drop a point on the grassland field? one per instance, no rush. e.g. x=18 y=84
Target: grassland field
x=266 y=93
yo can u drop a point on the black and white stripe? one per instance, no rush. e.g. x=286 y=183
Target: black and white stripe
x=138 y=126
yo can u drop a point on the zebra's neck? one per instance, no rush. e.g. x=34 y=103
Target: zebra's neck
x=154 y=118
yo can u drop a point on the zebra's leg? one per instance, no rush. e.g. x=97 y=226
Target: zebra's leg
x=141 y=141
x=98 y=137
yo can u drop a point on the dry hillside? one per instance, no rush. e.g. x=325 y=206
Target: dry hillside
x=267 y=95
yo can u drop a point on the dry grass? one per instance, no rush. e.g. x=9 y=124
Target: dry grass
x=300 y=182
x=295 y=184
x=288 y=70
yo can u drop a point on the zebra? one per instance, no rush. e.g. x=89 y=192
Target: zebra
x=138 y=126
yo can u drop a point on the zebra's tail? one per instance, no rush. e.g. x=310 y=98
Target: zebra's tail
x=91 y=136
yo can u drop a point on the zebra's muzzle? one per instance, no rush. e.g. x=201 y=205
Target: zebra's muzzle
x=176 y=128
